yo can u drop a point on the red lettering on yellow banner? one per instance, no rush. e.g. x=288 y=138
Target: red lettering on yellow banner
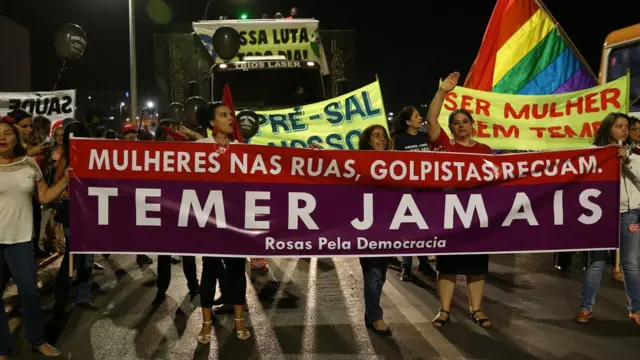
x=497 y=130
x=473 y=105
x=589 y=103
x=560 y=132
x=610 y=96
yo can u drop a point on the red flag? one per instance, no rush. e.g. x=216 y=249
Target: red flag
x=228 y=100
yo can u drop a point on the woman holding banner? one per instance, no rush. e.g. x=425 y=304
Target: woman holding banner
x=21 y=180
x=218 y=118
x=83 y=262
x=374 y=269
x=474 y=267
x=614 y=130
x=25 y=125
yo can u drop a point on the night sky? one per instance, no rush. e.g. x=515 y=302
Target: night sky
x=410 y=45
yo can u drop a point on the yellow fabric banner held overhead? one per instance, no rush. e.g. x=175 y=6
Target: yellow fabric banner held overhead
x=335 y=123
x=538 y=122
x=296 y=39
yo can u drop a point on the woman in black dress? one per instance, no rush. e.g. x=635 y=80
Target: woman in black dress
x=474 y=267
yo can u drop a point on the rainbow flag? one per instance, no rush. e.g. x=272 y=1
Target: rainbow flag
x=525 y=52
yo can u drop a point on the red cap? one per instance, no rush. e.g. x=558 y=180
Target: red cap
x=128 y=126
x=56 y=125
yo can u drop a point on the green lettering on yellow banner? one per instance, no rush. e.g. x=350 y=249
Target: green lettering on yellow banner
x=335 y=123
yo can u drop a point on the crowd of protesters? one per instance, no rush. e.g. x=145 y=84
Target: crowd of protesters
x=35 y=219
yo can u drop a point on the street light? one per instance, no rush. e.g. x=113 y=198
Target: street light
x=121 y=106
x=132 y=60
x=150 y=104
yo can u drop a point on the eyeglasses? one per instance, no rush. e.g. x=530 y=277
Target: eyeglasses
x=636 y=129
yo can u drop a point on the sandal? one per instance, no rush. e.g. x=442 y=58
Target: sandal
x=617 y=275
x=46 y=350
x=636 y=317
x=583 y=316
x=205 y=338
x=243 y=334
x=439 y=320
x=483 y=322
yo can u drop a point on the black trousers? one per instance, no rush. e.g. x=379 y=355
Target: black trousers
x=164 y=272
x=63 y=281
x=237 y=282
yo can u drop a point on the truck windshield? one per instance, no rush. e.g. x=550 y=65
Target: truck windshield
x=623 y=58
x=270 y=89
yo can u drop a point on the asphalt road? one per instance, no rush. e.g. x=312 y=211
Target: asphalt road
x=313 y=309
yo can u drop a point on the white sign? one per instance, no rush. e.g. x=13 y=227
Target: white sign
x=54 y=105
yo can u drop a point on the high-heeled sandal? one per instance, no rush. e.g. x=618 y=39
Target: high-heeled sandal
x=241 y=334
x=438 y=321
x=484 y=322
x=205 y=338
x=46 y=350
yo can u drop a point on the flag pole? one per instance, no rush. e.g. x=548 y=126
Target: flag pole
x=568 y=39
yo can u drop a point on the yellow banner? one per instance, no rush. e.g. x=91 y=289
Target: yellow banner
x=295 y=39
x=335 y=123
x=538 y=122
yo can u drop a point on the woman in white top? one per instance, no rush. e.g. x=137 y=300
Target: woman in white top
x=218 y=118
x=20 y=180
x=614 y=130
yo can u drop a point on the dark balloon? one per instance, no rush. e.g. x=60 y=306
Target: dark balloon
x=70 y=42
x=226 y=42
x=176 y=110
x=249 y=123
x=191 y=107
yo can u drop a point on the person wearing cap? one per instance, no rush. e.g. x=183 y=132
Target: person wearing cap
x=129 y=131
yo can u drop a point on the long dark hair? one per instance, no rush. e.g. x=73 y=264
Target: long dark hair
x=632 y=121
x=18 y=150
x=79 y=130
x=363 y=144
x=400 y=125
x=206 y=114
x=41 y=129
x=18 y=115
x=603 y=135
